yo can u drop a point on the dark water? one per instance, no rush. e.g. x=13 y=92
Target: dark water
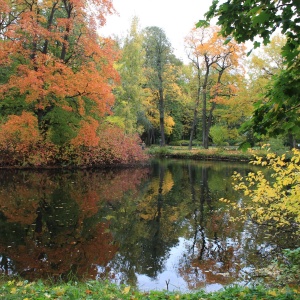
x=156 y=228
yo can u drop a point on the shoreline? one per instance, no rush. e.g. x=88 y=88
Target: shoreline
x=17 y=288
x=175 y=152
x=211 y=154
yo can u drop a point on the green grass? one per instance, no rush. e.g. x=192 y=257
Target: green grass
x=19 y=289
x=213 y=153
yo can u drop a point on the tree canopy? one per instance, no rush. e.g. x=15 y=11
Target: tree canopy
x=159 y=59
x=218 y=67
x=248 y=19
x=68 y=75
x=256 y=21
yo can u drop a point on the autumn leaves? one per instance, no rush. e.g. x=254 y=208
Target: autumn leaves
x=67 y=74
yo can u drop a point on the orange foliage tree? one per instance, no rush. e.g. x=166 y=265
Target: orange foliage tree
x=218 y=64
x=53 y=46
x=20 y=132
x=18 y=137
x=67 y=73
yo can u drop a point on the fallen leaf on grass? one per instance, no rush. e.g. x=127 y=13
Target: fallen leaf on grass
x=126 y=290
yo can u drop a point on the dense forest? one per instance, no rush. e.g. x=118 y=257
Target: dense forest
x=72 y=97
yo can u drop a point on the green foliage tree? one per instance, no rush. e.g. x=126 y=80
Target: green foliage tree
x=188 y=85
x=63 y=126
x=274 y=87
x=245 y=20
x=278 y=113
x=252 y=19
x=265 y=64
x=159 y=60
x=130 y=94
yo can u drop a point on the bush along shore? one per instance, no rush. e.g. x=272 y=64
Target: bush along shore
x=18 y=289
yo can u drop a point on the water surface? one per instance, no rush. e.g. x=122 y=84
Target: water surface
x=158 y=227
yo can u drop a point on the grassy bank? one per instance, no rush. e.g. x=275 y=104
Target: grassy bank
x=225 y=154
x=18 y=289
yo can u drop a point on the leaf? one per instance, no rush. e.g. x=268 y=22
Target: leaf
x=256 y=44
x=20 y=283
x=126 y=290
x=59 y=291
x=255 y=10
x=249 y=52
x=202 y=23
x=245 y=146
x=228 y=39
x=272 y=293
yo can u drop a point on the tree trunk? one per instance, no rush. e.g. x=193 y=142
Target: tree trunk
x=292 y=141
x=204 y=124
x=193 y=128
x=161 y=114
x=204 y=104
x=50 y=22
x=68 y=8
x=207 y=121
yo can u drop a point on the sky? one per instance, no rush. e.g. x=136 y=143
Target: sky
x=175 y=17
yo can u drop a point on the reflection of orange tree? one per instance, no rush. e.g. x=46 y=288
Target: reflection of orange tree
x=219 y=260
x=201 y=273
x=63 y=255
x=106 y=186
x=56 y=221
x=20 y=194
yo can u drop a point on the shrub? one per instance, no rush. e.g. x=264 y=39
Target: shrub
x=274 y=202
x=183 y=143
x=218 y=134
x=290 y=268
x=159 y=151
x=21 y=145
x=109 y=146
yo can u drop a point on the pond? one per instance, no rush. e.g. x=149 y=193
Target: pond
x=154 y=227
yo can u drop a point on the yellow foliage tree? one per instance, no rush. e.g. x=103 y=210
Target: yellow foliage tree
x=274 y=202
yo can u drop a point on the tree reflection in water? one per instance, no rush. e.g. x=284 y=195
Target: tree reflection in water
x=144 y=226
x=53 y=224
